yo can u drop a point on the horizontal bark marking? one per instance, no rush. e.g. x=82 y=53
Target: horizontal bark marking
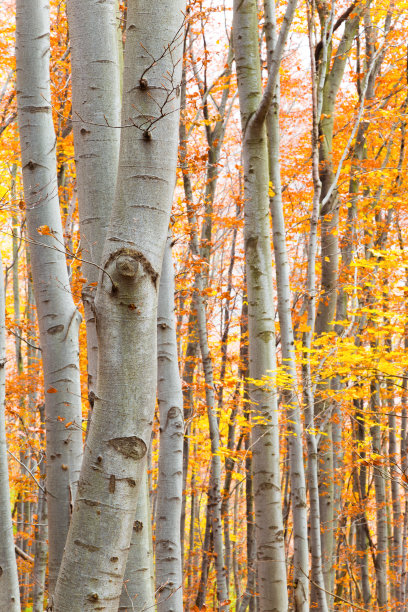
x=151 y=177
x=89 y=547
x=55 y=329
x=36 y=109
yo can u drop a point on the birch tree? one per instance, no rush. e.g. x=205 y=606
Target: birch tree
x=58 y=317
x=125 y=310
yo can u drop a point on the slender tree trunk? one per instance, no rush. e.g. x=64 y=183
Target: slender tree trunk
x=291 y=394
x=126 y=310
x=58 y=316
x=271 y=566
x=329 y=213
x=41 y=548
x=381 y=503
x=205 y=563
x=248 y=599
x=396 y=539
x=9 y=588
x=169 y=484
x=318 y=597
x=192 y=553
x=360 y=489
x=214 y=491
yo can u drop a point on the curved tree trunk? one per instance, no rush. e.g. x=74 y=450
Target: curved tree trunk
x=126 y=307
x=58 y=317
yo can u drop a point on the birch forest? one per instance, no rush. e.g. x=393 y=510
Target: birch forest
x=203 y=305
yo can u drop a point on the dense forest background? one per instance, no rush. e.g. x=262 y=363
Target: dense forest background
x=273 y=472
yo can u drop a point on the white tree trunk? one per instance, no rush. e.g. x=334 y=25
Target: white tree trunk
x=9 y=589
x=271 y=564
x=170 y=482
x=125 y=306
x=58 y=317
x=291 y=394
x=138 y=584
x=41 y=548
x=95 y=106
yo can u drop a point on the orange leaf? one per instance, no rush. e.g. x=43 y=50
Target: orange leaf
x=44 y=230
x=52 y=390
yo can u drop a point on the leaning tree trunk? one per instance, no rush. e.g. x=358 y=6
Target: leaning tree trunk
x=9 y=589
x=58 y=317
x=169 y=583
x=125 y=309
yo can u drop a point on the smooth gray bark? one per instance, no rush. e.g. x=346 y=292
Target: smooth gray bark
x=126 y=309
x=169 y=582
x=329 y=214
x=319 y=597
x=138 y=585
x=271 y=566
x=291 y=393
x=96 y=100
x=381 y=503
x=9 y=588
x=97 y=63
x=58 y=317
x=41 y=547
x=214 y=503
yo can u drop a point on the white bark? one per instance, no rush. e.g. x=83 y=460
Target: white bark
x=41 y=548
x=214 y=489
x=95 y=107
x=58 y=317
x=271 y=565
x=126 y=303
x=9 y=589
x=214 y=503
x=291 y=394
x=310 y=307
x=169 y=484
x=138 y=584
